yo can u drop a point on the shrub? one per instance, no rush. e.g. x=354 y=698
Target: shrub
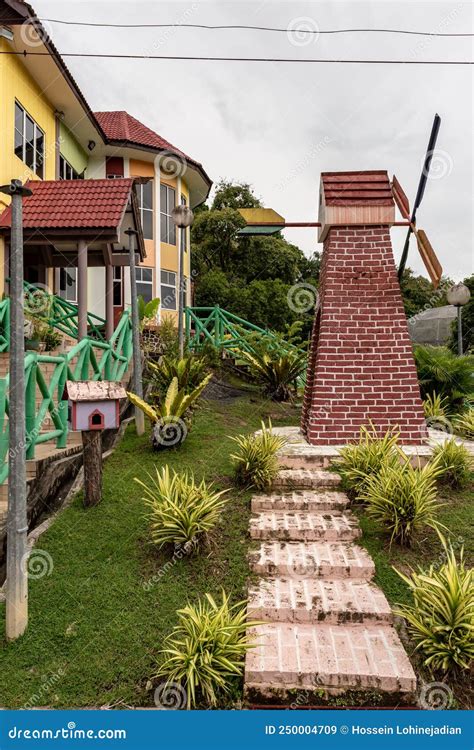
x=435 y=407
x=366 y=458
x=455 y=461
x=181 y=510
x=441 y=618
x=256 y=464
x=403 y=499
x=206 y=648
x=442 y=372
x=189 y=371
x=276 y=371
x=464 y=424
x=169 y=417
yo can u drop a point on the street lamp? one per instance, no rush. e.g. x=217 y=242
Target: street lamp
x=459 y=295
x=183 y=218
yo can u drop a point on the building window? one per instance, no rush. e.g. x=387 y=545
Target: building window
x=183 y=233
x=117 y=286
x=68 y=284
x=145 y=204
x=168 y=290
x=29 y=141
x=144 y=278
x=114 y=167
x=66 y=172
x=168 y=202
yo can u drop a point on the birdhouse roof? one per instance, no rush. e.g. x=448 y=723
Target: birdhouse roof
x=94 y=390
x=370 y=188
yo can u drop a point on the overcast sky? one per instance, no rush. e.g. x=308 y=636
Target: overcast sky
x=278 y=126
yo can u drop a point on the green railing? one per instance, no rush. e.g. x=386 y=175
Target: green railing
x=4 y=325
x=223 y=329
x=45 y=379
x=61 y=314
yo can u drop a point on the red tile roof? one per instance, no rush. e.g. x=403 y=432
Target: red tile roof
x=73 y=204
x=120 y=126
x=357 y=188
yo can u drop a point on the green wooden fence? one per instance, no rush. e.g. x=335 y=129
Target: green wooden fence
x=223 y=330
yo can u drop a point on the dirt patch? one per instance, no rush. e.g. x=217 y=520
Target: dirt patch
x=219 y=390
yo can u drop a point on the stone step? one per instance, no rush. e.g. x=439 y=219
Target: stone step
x=303 y=600
x=336 y=657
x=311 y=478
x=312 y=560
x=310 y=500
x=303 y=526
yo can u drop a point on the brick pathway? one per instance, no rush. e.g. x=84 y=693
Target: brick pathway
x=326 y=625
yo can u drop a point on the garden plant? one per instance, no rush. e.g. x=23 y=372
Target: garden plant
x=256 y=464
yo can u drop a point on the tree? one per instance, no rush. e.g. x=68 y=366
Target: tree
x=419 y=294
x=467 y=322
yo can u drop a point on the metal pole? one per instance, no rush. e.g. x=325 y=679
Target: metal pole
x=137 y=357
x=460 y=345
x=181 y=293
x=82 y=294
x=17 y=524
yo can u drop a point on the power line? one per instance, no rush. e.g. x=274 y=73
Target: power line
x=241 y=59
x=289 y=30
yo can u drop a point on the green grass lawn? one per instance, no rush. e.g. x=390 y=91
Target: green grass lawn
x=95 y=626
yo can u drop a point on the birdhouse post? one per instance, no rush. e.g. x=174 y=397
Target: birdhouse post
x=360 y=366
x=95 y=406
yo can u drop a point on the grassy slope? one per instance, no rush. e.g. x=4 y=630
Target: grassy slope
x=92 y=617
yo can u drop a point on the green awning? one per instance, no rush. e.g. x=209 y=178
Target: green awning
x=258 y=230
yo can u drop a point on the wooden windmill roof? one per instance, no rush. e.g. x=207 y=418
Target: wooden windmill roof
x=370 y=188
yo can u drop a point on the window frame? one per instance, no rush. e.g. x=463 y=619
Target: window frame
x=64 y=162
x=168 y=285
x=165 y=213
x=63 y=293
x=38 y=164
x=140 y=281
x=183 y=232
x=142 y=208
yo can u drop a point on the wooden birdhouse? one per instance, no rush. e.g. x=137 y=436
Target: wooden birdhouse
x=95 y=405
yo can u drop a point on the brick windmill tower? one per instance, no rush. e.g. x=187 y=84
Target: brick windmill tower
x=361 y=365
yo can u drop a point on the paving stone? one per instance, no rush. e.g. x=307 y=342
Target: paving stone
x=294 y=478
x=304 y=526
x=303 y=600
x=364 y=657
x=312 y=500
x=312 y=560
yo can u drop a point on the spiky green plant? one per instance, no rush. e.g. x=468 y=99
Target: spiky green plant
x=188 y=370
x=207 y=648
x=274 y=370
x=455 y=461
x=435 y=406
x=464 y=424
x=365 y=458
x=442 y=372
x=256 y=464
x=403 y=498
x=182 y=511
x=170 y=417
x=441 y=618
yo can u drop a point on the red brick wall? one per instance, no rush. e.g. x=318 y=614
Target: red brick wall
x=361 y=364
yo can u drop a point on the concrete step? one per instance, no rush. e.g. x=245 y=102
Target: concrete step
x=303 y=526
x=302 y=600
x=316 y=560
x=306 y=478
x=336 y=657
x=310 y=500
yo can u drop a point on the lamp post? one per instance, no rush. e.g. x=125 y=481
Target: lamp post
x=183 y=218
x=137 y=355
x=459 y=295
x=17 y=520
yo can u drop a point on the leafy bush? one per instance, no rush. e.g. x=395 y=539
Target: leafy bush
x=182 y=511
x=442 y=372
x=435 y=407
x=207 y=648
x=366 y=458
x=189 y=371
x=147 y=311
x=168 y=337
x=464 y=424
x=455 y=461
x=275 y=371
x=169 y=417
x=256 y=464
x=441 y=618
x=403 y=499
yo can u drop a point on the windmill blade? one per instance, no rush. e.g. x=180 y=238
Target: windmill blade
x=429 y=257
x=421 y=189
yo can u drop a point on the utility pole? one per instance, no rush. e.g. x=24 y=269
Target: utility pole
x=17 y=522
x=183 y=218
x=137 y=357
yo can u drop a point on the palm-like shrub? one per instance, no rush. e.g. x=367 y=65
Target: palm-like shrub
x=441 y=618
x=464 y=424
x=274 y=370
x=182 y=511
x=403 y=499
x=435 y=407
x=189 y=372
x=169 y=417
x=256 y=464
x=442 y=372
x=207 y=648
x=455 y=461
x=365 y=459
